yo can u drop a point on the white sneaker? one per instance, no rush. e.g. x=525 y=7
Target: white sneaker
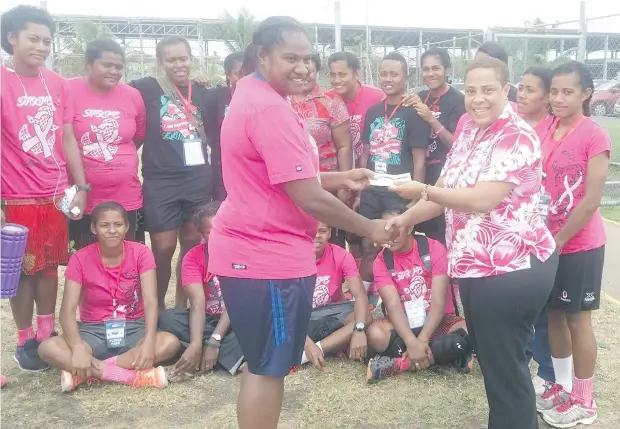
x=571 y=414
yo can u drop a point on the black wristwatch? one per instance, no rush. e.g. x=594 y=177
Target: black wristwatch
x=359 y=327
x=85 y=188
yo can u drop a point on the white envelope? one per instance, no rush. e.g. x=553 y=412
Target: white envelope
x=386 y=180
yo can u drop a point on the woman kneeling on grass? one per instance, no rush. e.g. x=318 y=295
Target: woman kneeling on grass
x=421 y=327
x=113 y=282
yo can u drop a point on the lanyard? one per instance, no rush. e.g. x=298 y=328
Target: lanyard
x=436 y=102
x=386 y=118
x=566 y=133
x=114 y=292
x=187 y=102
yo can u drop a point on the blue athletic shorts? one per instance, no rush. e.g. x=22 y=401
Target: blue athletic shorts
x=270 y=319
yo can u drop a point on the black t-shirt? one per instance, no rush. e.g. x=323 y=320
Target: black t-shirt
x=166 y=130
x=391 y=146
x=448 y=110
x=216 y=107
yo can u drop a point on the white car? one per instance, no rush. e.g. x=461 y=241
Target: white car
x=617 y=108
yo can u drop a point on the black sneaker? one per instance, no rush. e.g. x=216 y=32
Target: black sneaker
x=381 y=367
x=27 y=357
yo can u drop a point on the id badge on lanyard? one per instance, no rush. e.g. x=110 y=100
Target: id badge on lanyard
x=192 y=147
x=193 y=153
x=543 y=205
x=416 y=314
x=115 y=332
x=115 y=326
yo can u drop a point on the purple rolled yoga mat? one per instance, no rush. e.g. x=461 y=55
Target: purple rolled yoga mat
x=12 y=248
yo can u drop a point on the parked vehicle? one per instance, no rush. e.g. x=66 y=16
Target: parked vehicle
x=605 y=98
x=617 y=108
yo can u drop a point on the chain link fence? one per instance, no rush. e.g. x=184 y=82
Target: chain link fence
x=595 y=41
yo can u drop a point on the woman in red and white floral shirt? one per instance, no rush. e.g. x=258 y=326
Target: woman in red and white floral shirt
x=326 y=118
x=499 y=248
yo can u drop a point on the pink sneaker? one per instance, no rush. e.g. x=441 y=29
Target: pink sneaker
x=554 y=396
x=571 y=413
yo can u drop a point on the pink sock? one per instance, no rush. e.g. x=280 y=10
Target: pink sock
x=45 y=326
x=583 y=391
x=116 y=374
x=403 y=364
x=24 y=335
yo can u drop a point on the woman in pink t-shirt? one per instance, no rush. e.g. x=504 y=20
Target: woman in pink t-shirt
x=533 y=105
x=414 y=278
x=576 y=156
x=112 y=283
x=39 y=153
x=332 y=328
x=326 y=118
x=499 y=248
x=262 y=238
x=109 y=125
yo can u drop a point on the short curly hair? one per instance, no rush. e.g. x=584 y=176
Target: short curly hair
x=15 y=20
x=204 y=211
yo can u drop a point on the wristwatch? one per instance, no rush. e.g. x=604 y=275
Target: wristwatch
x=217 y=337
x=359 y=327
x=85 y=187
x=424 y=193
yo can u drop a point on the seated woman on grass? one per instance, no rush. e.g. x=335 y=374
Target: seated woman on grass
x=113 y=284
x=333 y=329
x=203 y=328
x=420 y=328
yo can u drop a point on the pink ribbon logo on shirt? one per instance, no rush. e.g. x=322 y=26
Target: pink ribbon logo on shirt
x=43 y=123
x=107 y=135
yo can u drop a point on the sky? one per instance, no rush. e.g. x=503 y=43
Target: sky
x=403 y=13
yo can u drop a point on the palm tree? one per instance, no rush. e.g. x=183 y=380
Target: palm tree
x=70 y=61
x=237 y=31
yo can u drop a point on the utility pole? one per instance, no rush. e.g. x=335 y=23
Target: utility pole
x=49 y=62
x=337 y=29
x=583 y=32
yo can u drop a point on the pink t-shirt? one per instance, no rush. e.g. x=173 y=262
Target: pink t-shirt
x=259 y=232
x=105 y=126
x=335 y=264
x=411 y=278
x=99 y=283
x=566 y=169
x=501 y=240
x=33 y=159
x=194 y=271
x=367 y=96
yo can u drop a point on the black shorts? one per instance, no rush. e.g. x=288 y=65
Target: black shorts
x=176 y=322
x=270 y=319
x=376 y=201
x=81 y=236
x=578 y=281
x=170 y=204
x=326 y=320
x=94 y=335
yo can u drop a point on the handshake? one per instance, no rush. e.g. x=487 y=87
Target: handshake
x=384 y=232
